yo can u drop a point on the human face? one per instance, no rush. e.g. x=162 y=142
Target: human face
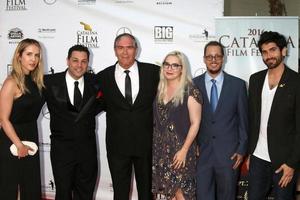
x=30 y=58
x=172 y=68
x=77 y=64
x=125 y=51
x=272 y=55
x=213 y=60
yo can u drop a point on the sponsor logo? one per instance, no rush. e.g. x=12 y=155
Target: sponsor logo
x=48 y=189
x=15 y=33
x=15 y=5
x=86 y=2
x=123 y=1
x=46 y=32
x=123 y=30
x=204 y=36
x=87 y=37
x=50 y=2
x=199 y=71
x=164 y=2
x=163 y=34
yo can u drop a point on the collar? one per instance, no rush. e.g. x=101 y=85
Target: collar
x=219 y=78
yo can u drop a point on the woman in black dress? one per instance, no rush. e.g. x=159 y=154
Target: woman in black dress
x=20 y=105
x=177 y=116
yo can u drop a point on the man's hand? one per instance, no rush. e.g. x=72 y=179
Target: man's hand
x=238 y=160
x=287 y=175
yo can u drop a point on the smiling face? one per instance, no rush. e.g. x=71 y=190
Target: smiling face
x=213 y=59
x=172 y=68
x=272 y=55
x=125 y=51
x=29 y=58
x=77 y=64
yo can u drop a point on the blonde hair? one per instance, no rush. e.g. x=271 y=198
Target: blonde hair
x=17 y=73
x=184 y=83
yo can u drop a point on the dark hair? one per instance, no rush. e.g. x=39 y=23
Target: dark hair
x=78 y=47
x=214 y=43
x=125 y=35
x=270 y=36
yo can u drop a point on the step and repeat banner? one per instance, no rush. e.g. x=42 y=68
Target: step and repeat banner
x=160 y=26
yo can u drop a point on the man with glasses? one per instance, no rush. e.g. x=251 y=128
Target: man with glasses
x=129 y=88
x=222 y=137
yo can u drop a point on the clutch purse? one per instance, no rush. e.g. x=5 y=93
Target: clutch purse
x=32 y=145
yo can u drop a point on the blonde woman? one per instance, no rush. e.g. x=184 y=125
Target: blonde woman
x=177 y=116
x=20 y=105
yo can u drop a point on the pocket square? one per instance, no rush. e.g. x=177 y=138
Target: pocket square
x=32 y=145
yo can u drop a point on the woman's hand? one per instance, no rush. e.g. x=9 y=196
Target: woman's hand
x=179 y=159
x=23 y=150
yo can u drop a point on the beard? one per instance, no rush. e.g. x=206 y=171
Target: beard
x=214 y=71
x=273 y=62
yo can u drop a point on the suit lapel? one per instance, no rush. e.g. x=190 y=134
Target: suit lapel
x=142 y=82
x=259 y=87
x=113 y=86
x=280 y=91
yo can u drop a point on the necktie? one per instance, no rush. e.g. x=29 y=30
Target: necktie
x=77 y=96
x=128 y=93
x=213 y=95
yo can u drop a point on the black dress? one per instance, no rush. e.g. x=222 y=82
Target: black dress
x=171 y=125
x=24 y=172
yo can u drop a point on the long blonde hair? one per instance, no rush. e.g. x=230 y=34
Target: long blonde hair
x=17 y=73
x=184 y=83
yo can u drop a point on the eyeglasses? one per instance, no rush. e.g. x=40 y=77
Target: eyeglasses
x=173 y=66
x=216 y=57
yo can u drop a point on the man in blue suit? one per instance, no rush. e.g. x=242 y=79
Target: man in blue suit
x=222 y=136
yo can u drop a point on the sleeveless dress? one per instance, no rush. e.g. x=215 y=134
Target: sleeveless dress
x=171 y=125
x=25 y=172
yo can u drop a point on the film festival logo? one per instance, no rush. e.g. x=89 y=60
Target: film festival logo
x=88 y=37
x=246 y=44
x=15 y=5
x=163 y=34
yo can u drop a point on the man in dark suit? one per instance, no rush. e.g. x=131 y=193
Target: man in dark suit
x=274 y=111
x=70 y=98
x=222 y=136
x=129 y=88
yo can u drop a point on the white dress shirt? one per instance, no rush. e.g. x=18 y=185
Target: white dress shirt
x=134 y=77
x=70 y=85
x=219 y=83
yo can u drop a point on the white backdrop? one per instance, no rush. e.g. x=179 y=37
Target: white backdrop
x=160 y=26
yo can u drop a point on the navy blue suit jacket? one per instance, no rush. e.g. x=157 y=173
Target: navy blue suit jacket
x=223 y=132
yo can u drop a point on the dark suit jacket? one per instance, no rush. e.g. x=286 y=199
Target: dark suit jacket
x=284 y=119
x=68 y=125
x=129 y=127
x=226 y=130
